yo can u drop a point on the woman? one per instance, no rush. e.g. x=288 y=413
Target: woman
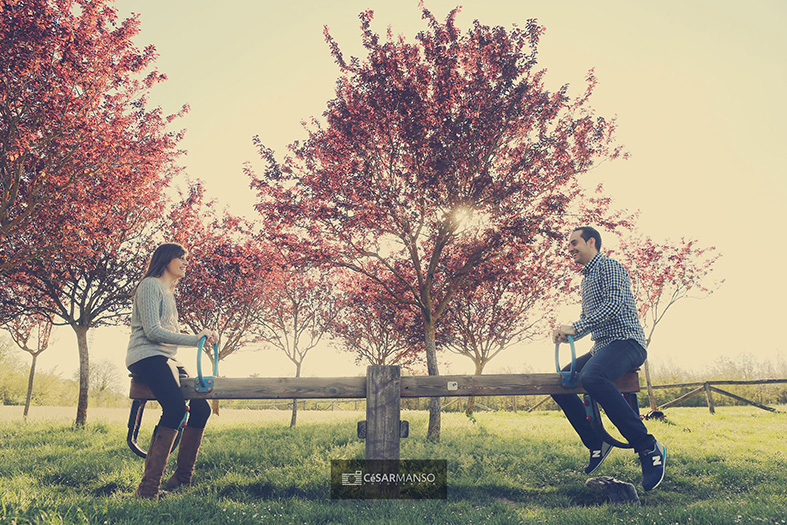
x=155 y=337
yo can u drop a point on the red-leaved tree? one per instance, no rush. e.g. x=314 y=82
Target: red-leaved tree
x=72 y=93
x=662 y=275
x=433 y=157
x=299 y=311
x=80 y=133
x=505 y=304
x=90 y=279
x=375 y=328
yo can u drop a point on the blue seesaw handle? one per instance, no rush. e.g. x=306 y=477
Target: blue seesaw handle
x=205 y=384
x=567 y=379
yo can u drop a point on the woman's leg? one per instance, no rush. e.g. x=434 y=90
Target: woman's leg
x=190 y=442
x=159 y=376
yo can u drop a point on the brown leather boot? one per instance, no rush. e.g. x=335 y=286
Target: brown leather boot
x=188 y=449
x=155 y=462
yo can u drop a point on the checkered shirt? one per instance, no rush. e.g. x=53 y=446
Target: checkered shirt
x=609 y=312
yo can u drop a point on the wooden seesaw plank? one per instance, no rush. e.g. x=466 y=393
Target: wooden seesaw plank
x=499 y=385
x=267 y=388
x=355 y=387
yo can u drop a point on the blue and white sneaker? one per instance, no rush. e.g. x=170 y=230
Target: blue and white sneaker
x=597 y=457
x=653 y=463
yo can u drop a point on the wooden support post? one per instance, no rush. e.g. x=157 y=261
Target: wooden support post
x=383 y=396
x=543 y=400
x=739 y=398
x=682 y=398
x=709 y=395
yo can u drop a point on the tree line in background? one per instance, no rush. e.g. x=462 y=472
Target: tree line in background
x=50 y=388
x=426 y=211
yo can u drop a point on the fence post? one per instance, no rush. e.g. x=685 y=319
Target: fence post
x=383 y=396
x=709 y=395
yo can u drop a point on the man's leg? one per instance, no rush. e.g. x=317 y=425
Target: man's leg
x=597 y=376
x=574 y=409
x=607 y=365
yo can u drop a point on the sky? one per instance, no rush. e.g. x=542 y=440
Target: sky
x=697 y=87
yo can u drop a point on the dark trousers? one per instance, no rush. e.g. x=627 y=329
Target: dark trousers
x=159 y=377
x=597 y=373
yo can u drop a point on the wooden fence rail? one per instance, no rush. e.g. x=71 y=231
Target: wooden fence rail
x=708 y=388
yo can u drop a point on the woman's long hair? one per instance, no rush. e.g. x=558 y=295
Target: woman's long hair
x=162 y=257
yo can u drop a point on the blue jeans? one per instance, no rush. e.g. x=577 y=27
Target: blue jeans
x=597 y=373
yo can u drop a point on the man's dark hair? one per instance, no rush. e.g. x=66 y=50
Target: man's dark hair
x=590 y=233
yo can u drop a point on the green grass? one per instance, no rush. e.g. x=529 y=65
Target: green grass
x=504 y=468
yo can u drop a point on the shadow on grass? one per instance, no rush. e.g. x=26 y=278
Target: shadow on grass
x=265 y=490
x=556 y=496
x=109 y=489
x=477 y=495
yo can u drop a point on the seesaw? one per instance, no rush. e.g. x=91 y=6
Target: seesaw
x=383 y=387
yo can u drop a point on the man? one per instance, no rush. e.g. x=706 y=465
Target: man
x=610 y=315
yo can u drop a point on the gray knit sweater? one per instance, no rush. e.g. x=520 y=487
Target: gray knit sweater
x=154 y=323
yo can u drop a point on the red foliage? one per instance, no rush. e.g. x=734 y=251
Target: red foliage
x=73 y=120
x=224 y=287
x=374 y=327
x=24 y=327
x=83 y=161
x=663 y=274
x=300 y=307
x=434 y=158
x=506 y=303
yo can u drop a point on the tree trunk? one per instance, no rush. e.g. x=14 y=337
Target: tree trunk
x=433 y=431
x=215 y=402
x=479 y=369
x=84 y=375
x=30 y=384
x=651 y=397
x=294 y=417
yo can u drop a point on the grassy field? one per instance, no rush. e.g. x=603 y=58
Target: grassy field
x=502 y=468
